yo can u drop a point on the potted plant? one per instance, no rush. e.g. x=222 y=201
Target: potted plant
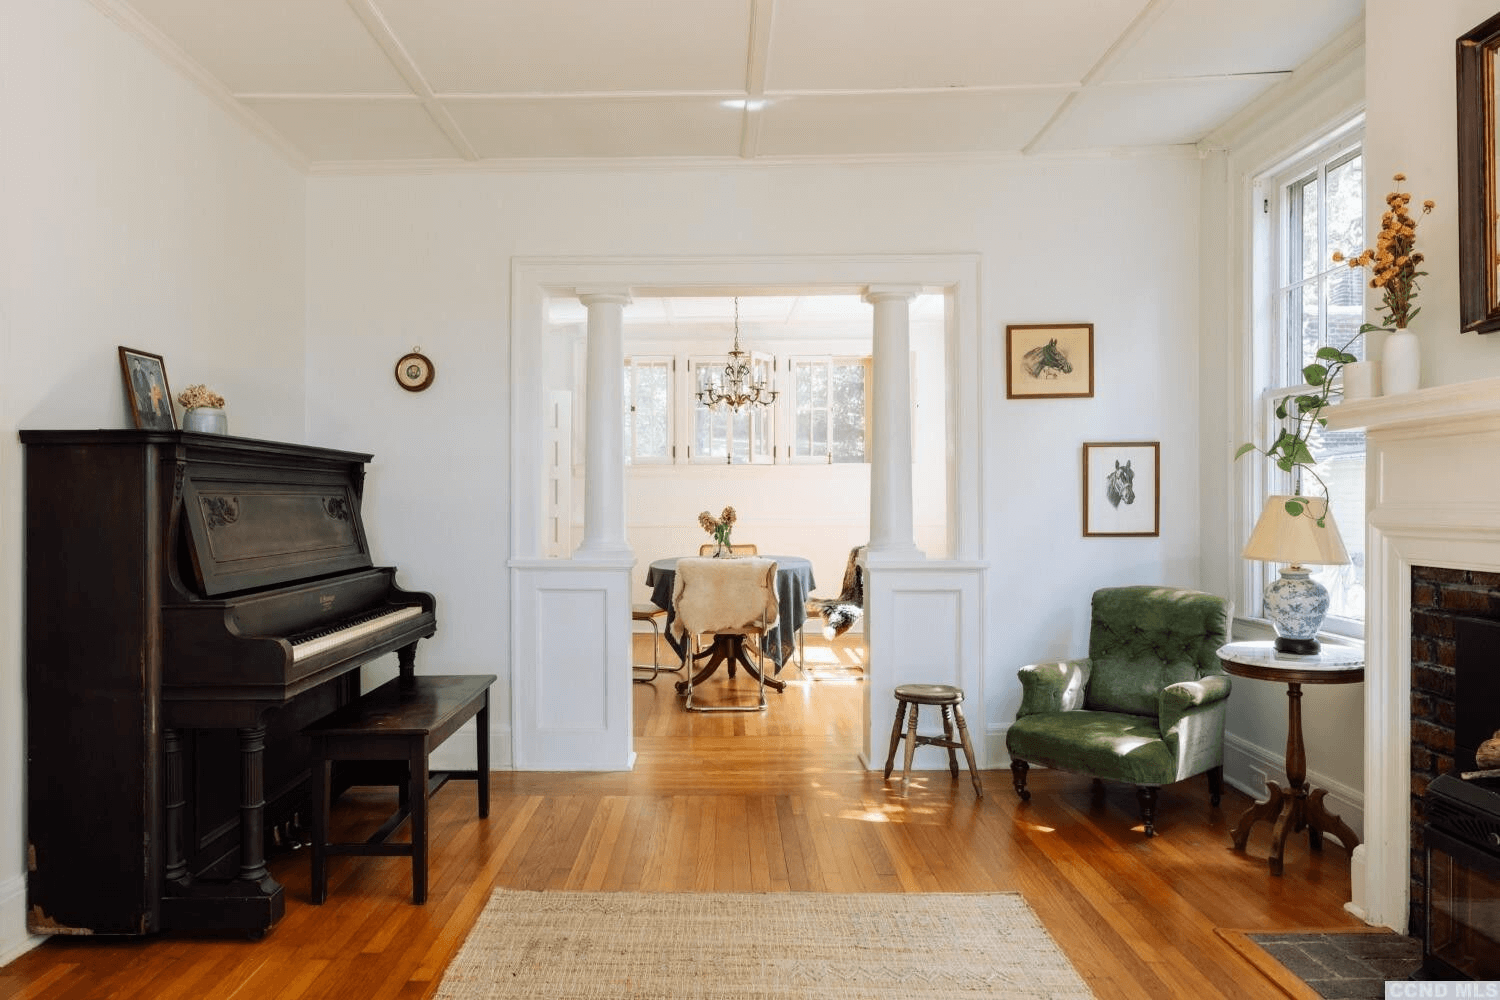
x=204 y=410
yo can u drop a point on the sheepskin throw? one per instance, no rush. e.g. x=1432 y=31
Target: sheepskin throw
x=840 y=613
x=723 y=595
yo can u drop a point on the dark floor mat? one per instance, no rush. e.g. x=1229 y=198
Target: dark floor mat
x=1345 y=966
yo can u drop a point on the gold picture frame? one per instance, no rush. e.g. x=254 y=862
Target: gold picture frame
x=146 y=390
x=1122 y=489
x=1049 y=361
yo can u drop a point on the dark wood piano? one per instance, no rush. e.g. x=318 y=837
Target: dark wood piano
x=192 y=601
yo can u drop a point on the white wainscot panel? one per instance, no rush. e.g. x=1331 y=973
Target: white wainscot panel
x=924 y=627
x=572 y=704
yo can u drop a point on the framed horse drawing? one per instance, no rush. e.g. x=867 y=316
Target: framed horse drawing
x=1122 y=489
x=1049 y=361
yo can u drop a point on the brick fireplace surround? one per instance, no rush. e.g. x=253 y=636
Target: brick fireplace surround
x=1439 y=599
x=1433 y=534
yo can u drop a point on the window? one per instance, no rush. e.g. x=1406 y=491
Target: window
x=829 y=409
x=1318 y=207
x=648 y=410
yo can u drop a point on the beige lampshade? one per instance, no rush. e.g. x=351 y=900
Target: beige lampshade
x=1296 y=539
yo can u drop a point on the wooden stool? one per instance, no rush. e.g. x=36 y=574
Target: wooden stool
x=402 y=721
x=948 y=697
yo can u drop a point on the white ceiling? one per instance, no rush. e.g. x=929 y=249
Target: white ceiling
x=347 y=84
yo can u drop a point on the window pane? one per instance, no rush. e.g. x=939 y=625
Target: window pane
x=651 y=402
x=1302 y=239
x=811 y=405
x=1346 y=310
x=847 y=410
x=740 y=440
x=1346 y=208
x=1312 y=327
x=1341 y=466
x=627 y=424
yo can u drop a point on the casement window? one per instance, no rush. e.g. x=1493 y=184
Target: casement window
x=829 y=409
x=1313 y=208
x=648 y=410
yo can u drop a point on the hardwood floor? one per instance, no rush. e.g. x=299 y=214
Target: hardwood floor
x=770 y=802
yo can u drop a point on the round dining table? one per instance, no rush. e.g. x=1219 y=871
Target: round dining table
x=794 y=581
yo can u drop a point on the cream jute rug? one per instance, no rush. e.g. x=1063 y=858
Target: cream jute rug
x=758 y=946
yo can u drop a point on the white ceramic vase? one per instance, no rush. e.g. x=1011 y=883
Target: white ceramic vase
x=1400 y=363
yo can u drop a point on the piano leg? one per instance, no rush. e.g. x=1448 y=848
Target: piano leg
x=176 y=864
x=253 y=806
x=253 y=901
x=406 y=662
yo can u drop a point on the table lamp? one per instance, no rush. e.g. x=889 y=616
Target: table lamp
x=1296 y=603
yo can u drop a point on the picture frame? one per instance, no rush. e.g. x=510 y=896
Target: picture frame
x=1049 y=361
x=1122 y=489
x=1478 y=57
x=146 y=390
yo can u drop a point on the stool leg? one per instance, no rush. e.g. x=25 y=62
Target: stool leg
x=963 y=735
x=890 y=758
x=417 y=794
x=320 y=829
x=948 y=738
x=911 y=748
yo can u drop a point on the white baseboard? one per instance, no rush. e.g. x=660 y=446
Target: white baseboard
x=15 y=940
x=1248 y=767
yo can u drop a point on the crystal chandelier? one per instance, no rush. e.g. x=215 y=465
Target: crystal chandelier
x=736 y=387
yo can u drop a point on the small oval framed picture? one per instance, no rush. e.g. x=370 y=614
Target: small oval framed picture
x=414 y=372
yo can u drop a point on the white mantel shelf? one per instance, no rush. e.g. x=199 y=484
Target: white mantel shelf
x=1459 y=404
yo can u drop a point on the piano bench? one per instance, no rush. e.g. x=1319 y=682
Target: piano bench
x=401 y=721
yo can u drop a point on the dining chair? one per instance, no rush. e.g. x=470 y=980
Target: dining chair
x=730 y=600
x=653 y=616
x=736 y=548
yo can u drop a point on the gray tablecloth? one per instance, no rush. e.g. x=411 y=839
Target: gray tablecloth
x=794 y=581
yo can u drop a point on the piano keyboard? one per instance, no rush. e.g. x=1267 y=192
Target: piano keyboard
x=317 y=641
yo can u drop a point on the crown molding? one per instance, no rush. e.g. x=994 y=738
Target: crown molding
x=126 y=17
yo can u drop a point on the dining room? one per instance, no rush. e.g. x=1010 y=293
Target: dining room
x=787 y=451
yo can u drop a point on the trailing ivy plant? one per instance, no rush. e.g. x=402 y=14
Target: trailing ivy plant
x=1303 y=413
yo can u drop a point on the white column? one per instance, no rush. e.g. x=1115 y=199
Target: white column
x=604 y=402
x=892 y=529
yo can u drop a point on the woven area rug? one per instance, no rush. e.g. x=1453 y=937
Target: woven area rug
x=732 y=946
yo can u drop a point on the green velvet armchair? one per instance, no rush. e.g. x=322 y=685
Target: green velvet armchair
x=1146 y=706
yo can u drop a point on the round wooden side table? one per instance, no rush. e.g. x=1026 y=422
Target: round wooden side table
x=1299 y=807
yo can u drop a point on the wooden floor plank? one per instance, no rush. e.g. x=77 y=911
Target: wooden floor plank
x=764 y=802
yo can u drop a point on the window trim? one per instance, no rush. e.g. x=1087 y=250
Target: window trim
x=1266 y=346
x=632 y=363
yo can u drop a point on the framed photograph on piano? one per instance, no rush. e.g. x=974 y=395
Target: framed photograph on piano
x=146 y=389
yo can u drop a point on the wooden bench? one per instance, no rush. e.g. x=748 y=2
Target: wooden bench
x=401 y=721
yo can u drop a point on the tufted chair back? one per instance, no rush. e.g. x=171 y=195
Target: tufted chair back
x=1144 y=638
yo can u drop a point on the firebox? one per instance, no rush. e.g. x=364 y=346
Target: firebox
x=1462 y=918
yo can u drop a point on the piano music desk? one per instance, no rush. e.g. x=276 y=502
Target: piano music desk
x=403 y=720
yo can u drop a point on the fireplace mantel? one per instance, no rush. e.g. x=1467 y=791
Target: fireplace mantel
x=1432 y=494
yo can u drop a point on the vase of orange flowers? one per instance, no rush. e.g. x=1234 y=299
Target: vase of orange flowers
x=1394 y=269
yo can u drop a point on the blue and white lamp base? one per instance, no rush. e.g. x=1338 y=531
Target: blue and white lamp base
x=1296 y=605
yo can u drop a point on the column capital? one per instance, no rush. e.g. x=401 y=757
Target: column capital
x=603 y=294
x=879 y=293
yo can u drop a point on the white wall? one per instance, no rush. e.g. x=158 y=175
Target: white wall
x=132 y=211
x=395 y=261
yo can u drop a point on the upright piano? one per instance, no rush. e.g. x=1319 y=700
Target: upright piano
x=192 y=601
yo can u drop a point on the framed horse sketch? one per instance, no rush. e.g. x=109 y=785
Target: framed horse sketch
x=1049 y=361
x=1122 y=489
